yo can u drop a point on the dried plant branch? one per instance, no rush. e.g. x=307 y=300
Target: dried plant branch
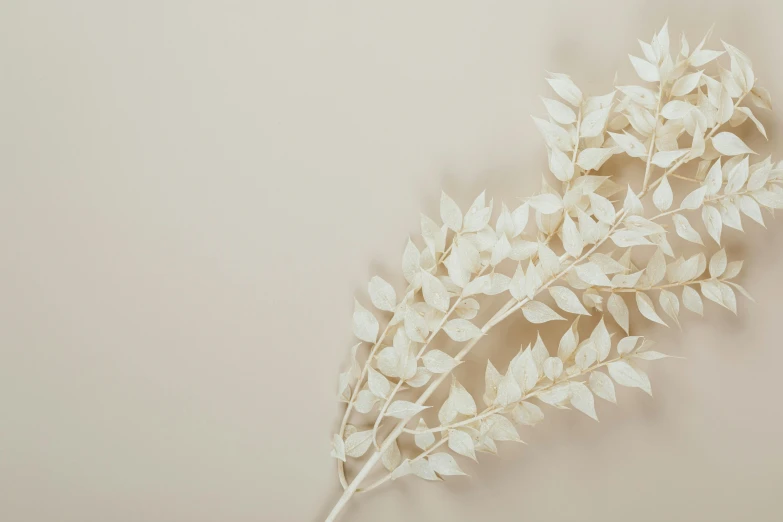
x=464 y=262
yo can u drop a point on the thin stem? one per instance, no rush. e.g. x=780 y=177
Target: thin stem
x=659 y=287
x=451 y=426
x=684 y=178
x=353 y=486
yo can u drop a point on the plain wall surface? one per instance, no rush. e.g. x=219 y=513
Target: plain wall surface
x=192 y=192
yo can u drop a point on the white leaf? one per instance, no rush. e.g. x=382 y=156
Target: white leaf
x=650 y=355
x=627 y=344
x=558 y=111
x=718 y=263
x=553 y=368
x=737 y=177
x=712 y=222
x=572 y=239
x=392 y=457
x=461 y=330
x=761 y=98
x=478 y=215
x=732 y=270
x=480 y=285
x=520 y=217
x=647 y=308
x=437 y=361
x=338 y=448
x=555 y=136
x=601 y=340
x=719 y=293
x=702 y=57
x=524 y=370
x=500 y=251
x=626 y=280
x=378 y=384
x=433 y=235
x=619 y=311
x=357 y=444
x=698 y=146
x=714 y=178
x=676 y=109
x=550 y=263
x=463 y=401
x=423 y=469
x=435 y=294
x=566 y=89
x=685 y=230
x=593 y=158
x=568 y=342
x=632 y=205
x=517 y=285
x=695 y=199
x=751 y=208
x=667 y=158
x=402 y=470
x=462 y=443
x=663 y=195
x=556 y=395
x=365 y=401
x=410 y=263
x=567 y=300
x=602 y=386
x=630 y=144
x=741 y=67
x=692 y=300
x=729 y=144
x=560 y=165
x=546 y=203
x=527 y=413
x=656 y=268
x=602 y=208
x=508 y=391
x=749 y=113
x=626 y=375
x=444 y=464
x=403 y=409
x=415 y=326
x=450 y=213
x=686 y=83
x=491 y=382
x=382 y=294
x=670 y=304
x=365 y=325
x=586 y=355
x=582 y=399
x=467 y=309
x=539 y=352
x=594 y=123
x=592 y=274
x=646 y=71
x=537 y=313
x=423 y=440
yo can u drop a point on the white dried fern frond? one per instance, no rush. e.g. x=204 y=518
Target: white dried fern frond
x=586 y=244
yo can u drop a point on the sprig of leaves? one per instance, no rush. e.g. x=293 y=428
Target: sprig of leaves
x=583 y=247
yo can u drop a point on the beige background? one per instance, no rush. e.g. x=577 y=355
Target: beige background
x=191 y=193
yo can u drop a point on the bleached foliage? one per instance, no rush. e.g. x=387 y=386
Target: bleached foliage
x=586 y=245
